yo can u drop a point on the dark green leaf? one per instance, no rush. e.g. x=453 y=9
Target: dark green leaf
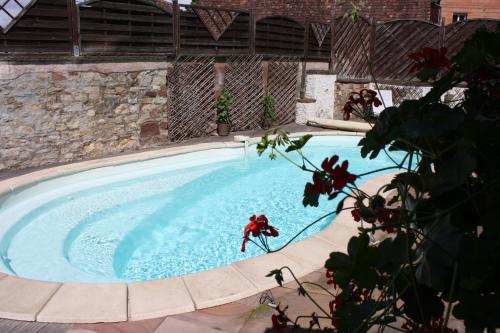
x=338 y=260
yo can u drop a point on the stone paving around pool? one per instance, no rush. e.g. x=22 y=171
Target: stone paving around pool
x=246 y=315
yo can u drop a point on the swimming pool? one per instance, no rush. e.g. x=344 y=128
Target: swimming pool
x=159 y=218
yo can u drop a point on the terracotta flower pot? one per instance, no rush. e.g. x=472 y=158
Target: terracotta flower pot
x=223 y=129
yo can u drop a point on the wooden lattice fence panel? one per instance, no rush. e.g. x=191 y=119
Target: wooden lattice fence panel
x=351 y=48
x=283 y=85
x=44 y=29
x=395 y=40
x=202 y=33
x=279 y=35
x=125 y=27
x=244 y=80
x=457 y=33
x=192 y=99
x=401 y=93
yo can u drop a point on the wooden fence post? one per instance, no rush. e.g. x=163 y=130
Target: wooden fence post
x=176 y=28
x=332 y=38
x=373 y=38
x=251 y=32
x=304 y=62
x=442 y=37
x=74 y=27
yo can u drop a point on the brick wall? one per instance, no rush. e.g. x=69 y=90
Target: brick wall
x=474 y=9
x=321 y=10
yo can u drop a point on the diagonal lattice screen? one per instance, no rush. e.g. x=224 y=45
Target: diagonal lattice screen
x=11 y=11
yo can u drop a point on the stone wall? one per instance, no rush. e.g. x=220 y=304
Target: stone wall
x=52 y=114
x=342 y=92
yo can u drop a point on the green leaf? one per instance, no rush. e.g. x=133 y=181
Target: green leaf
x=393 y=253
x=278 y=276
x=431 y=305
x=340 y=206
x=343 y=277
x=366 y=278
x=299 y=144
x=338 y=260
x=311 y=197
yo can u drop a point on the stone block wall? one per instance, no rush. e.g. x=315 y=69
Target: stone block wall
x=342 y=92
x=52 y=114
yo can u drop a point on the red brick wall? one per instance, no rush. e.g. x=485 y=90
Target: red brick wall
x=321 y=10
x=474 y=9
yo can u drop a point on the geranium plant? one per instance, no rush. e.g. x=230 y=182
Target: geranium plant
x=361 y=104
x=440 y=212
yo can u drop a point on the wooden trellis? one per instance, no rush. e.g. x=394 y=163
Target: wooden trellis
x=244 y=80
x=457 y=33
x=192 y=102
x=283 y=85
x=395 y=40
x=351 y=48
x=401 y=93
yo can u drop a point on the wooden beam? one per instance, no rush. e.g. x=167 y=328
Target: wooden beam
x=251 y=32
x=177 y=25
x=74 y=27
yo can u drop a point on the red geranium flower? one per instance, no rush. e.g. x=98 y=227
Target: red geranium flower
x=280 y=320
x=321 y=184
x=258 y=226
x=429 y=58
x=388 y=217
x=341 y=177
x=365 y=98
x=333 y=177
x=355 y=214
x=330 y=279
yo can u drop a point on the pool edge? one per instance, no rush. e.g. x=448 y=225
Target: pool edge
x=75 y=302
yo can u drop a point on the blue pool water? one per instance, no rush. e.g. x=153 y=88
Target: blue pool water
x=160 y=218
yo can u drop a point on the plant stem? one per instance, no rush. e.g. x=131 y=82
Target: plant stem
x=450 y=296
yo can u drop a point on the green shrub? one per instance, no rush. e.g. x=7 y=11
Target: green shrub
x=224 y=103
x=269 y=107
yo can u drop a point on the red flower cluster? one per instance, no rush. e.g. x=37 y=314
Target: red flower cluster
x=258 y=226
x=436 y=326
x=429 y=58
x=333 y=177
x=280 y=320
x=366 y=98
x=387 y=217
x=330 y=279
x=334 y=306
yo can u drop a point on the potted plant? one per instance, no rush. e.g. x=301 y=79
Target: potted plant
x=269 y=112
x=224 y=103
